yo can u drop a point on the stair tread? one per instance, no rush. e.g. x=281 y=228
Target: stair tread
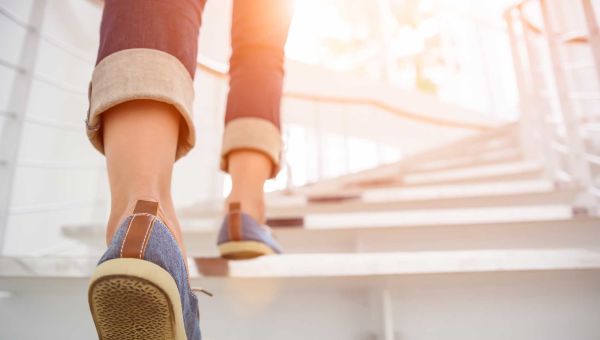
x=466 y=161
x=493 y=193
x=279 y=198
x=458 y=191
x=398 y=263
x=335 y=265
x=555 y=233
x=211 y=225
x=406 y=200
x=482 y=170
x=395 y=218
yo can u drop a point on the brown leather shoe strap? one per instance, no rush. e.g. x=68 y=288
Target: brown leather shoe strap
x=139 y=229
x=235 y=221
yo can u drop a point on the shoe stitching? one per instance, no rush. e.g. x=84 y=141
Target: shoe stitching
x=143 y=214
x=125 y=238
x=172 y=238
x=187 y=274
x=146 y=238
x=162 y=222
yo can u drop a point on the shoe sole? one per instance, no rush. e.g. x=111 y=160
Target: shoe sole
x=135 y=299
x=241 y=250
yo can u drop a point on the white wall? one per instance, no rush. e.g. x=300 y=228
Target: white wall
x=60 y=179
x=492 y=306
x=57 y=180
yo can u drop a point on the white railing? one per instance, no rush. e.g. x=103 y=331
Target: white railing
x=553 y=61
x=318 y=96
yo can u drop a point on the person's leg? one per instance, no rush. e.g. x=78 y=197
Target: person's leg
x=252 y=138
x=140 y=141
x=140 y=100
x=249 y=171
x=140 y=113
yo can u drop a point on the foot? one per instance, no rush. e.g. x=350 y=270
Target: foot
x=243 y=237
x=141 y=289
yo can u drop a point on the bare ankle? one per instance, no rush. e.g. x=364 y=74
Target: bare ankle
x=121 y=210
x=253 y=206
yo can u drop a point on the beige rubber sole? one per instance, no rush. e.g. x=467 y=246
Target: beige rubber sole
x=135 y=299
x=239 y=250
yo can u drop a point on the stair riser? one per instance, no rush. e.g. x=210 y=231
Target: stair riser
x=356 y=205
x=535 y=235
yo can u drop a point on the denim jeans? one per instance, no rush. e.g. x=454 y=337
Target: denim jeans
x=148 y=50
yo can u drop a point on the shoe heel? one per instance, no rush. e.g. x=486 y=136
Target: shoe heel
x=240 y=250
x=135 y=299
x=233 y=246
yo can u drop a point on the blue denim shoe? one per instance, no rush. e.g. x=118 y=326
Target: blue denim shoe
x=242 y=237
x=140 y=289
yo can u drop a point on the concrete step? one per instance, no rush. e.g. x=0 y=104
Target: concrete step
x=512 y=171
x=335 y=265
x=466 y=161
x=493 y=193
x=400 y=263
x=395 y=218
x=563 y=232
x=489 y=194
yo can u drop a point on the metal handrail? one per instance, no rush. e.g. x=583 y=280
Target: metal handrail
x=218 y=70
x=528 y=23
x=570 y=37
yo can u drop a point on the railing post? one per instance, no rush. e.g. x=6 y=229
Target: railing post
x=217 y=182
x=539 y=112
x=579 y=168
x=319 y=142
x=289 y=172
x=594 y=41
x=527 y=141
x=386 y=26
x=345 y=137
x=10 y=139
x=593 y=32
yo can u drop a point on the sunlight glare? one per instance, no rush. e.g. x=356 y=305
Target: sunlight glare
x=314 y=21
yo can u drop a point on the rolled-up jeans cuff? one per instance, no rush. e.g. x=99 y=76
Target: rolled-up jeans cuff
x=250 y=133
x=141 y=73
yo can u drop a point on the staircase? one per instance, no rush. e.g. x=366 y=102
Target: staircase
x=475 y=205
x=474 y=214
